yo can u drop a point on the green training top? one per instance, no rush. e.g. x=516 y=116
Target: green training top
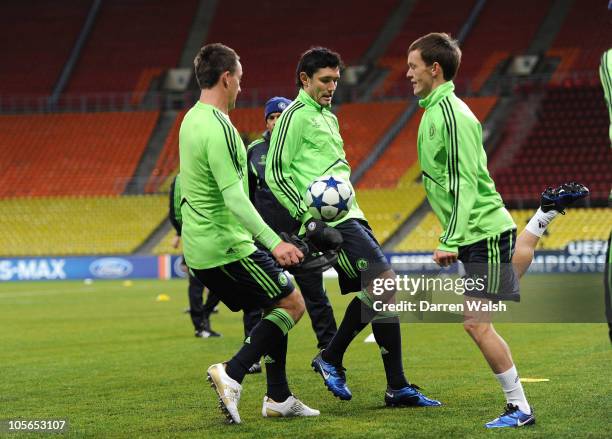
x=219 y=221
x=454 y=164
x=605 y=75
x=305 y=145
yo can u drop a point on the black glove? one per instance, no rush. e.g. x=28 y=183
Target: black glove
x=320 y=246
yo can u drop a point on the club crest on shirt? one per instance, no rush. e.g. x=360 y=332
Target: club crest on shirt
x=362 y=264
x=315 y=122
x=282 y=279
x=432 y=131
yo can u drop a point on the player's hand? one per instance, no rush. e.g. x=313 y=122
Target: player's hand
x=176 y=240
x=444 y=259
x=287 y=254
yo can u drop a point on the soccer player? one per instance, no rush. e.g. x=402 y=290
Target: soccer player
x=274 y=214
x=219 y=225
x=477 y=229
x=199 y=313
x=306 y=144
x=605 y=75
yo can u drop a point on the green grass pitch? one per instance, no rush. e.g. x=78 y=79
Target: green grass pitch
x=116 y=363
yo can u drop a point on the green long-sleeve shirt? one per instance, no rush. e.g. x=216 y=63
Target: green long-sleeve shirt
x=454 y=164
x=305 y=145
x=605 y=75
x=219 y=221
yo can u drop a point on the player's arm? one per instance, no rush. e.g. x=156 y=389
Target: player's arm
x=252 y=173
x=239 y=204
x=174 y=209
x=463 y=140
x=228 y=175
x=284 y=144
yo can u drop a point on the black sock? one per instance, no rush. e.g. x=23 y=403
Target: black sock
x=275 y=360
x=264 y=337
x=356 y=317
x=389 y=339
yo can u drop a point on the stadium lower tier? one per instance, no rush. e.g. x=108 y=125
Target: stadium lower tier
x=78 y=225
x=578 y=224
x=164 y=246
x=387 y=209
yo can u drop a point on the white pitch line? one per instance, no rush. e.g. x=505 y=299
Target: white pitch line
x=87 y=289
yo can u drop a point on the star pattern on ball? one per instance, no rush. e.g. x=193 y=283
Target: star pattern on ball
x=331 y=182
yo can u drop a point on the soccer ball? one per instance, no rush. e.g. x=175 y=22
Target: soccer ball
x=329 y=198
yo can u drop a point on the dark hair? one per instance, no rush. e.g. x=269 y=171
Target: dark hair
x=211 y=61
x=441 y=48
x=314 y=59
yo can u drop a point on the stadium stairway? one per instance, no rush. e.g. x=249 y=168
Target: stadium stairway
x=550 y=27
x=150 y=33
x=151 y=155
x=25 y=27
x=198 y=32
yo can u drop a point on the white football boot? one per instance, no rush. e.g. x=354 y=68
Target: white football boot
x=290 y=407
x=228 y=390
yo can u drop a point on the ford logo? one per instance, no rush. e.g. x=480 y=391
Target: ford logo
x=178 y=267
x=110 y=268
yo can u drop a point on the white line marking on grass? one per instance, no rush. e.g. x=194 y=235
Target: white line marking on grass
x=79 y=290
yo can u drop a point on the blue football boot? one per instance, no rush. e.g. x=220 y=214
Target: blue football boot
x=560 y=197
x=409 y=396
x=333 y=376
x=512 y=417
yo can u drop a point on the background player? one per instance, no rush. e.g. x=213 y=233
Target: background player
x=305 y=145
x=477 y=229
x=199 y=313
x=605 y=75
x=219 y=224
x=276 y=216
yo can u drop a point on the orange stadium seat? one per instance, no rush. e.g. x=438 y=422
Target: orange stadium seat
x=418 y=22
x=492 y=39
x=278 y=42
x=363 y=124
x=402 y=153
x=584 y=36
x=71 y=154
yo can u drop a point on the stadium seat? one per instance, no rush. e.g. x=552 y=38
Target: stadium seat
x=71 y=153
x=563 y=145
x=498 y=39
x=46 y=226
x=127 y=39
x=37 y=43
x=277 y=40
x=583 y=37
x=164 y=246
x=418 y=23
x=578 y=224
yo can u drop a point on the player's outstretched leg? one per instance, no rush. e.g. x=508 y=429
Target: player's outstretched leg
x=552 y=202
x=267 y=336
